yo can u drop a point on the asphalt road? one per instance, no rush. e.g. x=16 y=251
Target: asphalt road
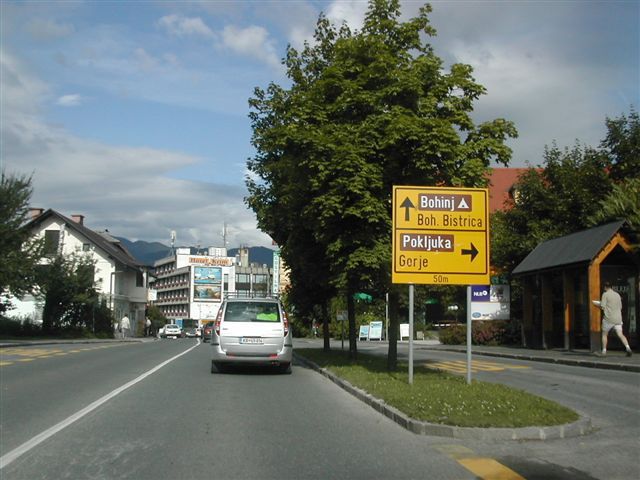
x=610 y=398
x=154 y=411
x=180 y=422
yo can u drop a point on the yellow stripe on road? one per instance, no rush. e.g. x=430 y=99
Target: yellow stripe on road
x=489 y=469
x=460 y=366
x=481 y=467
x=30 y=354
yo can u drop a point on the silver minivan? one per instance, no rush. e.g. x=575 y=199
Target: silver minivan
x=251 y=331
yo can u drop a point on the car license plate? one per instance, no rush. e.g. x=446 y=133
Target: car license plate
x=252 y=340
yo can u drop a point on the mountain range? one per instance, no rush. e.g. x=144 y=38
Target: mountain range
x=147 y=253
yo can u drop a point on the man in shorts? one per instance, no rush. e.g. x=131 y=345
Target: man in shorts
x=611 y=305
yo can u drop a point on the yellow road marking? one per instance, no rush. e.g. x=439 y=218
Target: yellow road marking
x=460 y=366
x=489 y=469
x=31 y=354
x=482 y=467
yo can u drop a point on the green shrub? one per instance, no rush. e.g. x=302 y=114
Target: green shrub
x=454 y=335
x=489 y=332
x=19 y=327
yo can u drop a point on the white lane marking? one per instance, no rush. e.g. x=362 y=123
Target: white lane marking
x=9 y=457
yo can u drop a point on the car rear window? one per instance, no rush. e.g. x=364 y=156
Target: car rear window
x=252 y=312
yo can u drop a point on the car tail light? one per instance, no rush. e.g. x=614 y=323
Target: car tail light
x=285 y=321
x=216 y=325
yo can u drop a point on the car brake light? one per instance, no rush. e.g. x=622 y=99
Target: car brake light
x=285 y=322
x=216 y=325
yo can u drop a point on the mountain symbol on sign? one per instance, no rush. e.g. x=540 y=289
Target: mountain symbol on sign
x=463 y=205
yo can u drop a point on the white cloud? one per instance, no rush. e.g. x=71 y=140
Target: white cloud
x=47 y=29
x=352 y=12
x=144 y=59
x=181 y=26
x=252 y=41
x=125 y=189
x=21 y=92
x=72 y=100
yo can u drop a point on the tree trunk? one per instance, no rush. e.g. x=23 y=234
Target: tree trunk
x=351 y=309
x=392 y=356
x=325 y=327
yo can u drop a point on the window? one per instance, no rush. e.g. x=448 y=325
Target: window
x=251 y=312
x=242 y=278
x=86 y=247
x=260 y=278
x=51 y=241
x=139 y=279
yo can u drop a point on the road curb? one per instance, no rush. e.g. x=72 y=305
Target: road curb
x=581 y=427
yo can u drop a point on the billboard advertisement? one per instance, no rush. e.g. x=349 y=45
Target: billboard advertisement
x=207 y=284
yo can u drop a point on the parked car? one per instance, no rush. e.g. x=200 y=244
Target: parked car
x=206 y=332
x=251 y=331
x=171 y=330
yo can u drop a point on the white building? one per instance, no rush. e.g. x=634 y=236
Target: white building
x=191 y=285
x=119 y=278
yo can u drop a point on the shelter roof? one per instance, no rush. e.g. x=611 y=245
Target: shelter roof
x=578 y=247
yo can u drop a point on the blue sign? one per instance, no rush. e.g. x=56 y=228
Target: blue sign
x=480 y=293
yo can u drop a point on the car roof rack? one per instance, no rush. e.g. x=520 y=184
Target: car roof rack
x=244 y=294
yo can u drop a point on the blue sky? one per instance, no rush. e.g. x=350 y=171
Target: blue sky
x=135 y=114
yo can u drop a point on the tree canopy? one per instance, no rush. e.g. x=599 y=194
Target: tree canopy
x=366 y=110
x=19 y=255
x=573 y=190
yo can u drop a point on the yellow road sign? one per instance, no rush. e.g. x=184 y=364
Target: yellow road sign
x=440 y=235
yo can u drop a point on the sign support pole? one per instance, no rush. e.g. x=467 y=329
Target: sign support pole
x=411 y=287
x=469 y=321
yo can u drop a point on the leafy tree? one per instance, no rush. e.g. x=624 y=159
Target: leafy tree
x=575 y=189
x=622 y=144
x=623 y=203
x=70 y=297
x=19 y=255
x=158 y=320
x=366 y=110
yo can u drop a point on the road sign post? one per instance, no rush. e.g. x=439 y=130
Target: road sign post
x=440 y=237
x=411 y=288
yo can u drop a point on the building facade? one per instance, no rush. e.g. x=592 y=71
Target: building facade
x=191 y=284
x=119 y=278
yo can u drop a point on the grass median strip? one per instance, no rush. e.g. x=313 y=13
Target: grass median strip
x=440 y=397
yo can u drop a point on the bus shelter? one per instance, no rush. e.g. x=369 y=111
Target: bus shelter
x=562 y=277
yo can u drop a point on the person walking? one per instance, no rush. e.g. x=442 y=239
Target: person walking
x=147 y=331
x=125 y=326
x=611 y=305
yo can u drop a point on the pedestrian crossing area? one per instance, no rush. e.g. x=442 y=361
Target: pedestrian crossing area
x=460 y=366
x=18 y=355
